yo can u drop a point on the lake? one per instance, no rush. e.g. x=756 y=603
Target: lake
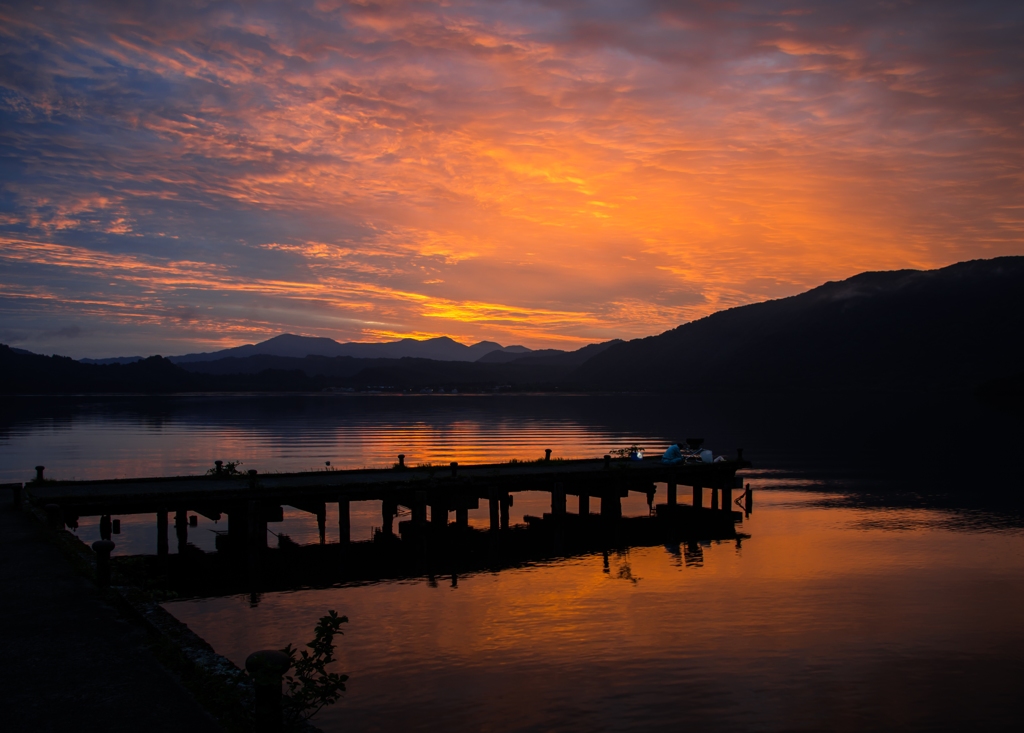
x=878 y=583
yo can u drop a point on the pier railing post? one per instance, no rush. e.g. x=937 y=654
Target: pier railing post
x=103 y=548
x=267 y=668
x=547 y=454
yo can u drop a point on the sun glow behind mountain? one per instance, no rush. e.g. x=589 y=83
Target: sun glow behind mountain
x=183 y=178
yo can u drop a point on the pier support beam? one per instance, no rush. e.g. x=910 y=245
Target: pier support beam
x=495 y=506
x=584 y=503
x=181 y=528
x=344 y=521
x=439 y=514
x=419 y=508
x=506 y=503
x=611 y=505
x=388 y=509
x=161 y=533
x=698 y=496
x=558 y=501
x=257 y=534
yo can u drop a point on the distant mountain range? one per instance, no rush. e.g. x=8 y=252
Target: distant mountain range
x=954 y=329
x=290 y=345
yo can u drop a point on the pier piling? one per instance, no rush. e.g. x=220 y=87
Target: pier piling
x=161 y=532
x=505 y=502
x=672 y=500
x=495 y=509
x=344 y=521
x=181 y=529
x=698 y=496
x=103 y=548
x=558 y=500
x=714 y=498
x=584 y=504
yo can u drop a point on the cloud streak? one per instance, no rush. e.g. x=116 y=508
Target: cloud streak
x=550 y=173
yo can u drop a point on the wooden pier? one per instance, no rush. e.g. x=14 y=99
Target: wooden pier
x=431 y=494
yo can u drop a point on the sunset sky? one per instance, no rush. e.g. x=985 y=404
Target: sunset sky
x=178 y=177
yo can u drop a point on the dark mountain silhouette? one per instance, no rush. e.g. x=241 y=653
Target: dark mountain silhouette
x=29 y=373
x=290 y=345
x=112 y=360
x=947 y=329
x=551 y=357
x=958 y=328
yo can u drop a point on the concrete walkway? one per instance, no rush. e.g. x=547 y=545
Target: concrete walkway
x=70 y=662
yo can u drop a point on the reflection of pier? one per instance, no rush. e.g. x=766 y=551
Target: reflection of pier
x=423 y=542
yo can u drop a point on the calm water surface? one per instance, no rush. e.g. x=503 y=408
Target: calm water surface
x=881 y=585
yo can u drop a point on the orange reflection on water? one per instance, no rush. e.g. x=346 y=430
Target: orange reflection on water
x=825 y=618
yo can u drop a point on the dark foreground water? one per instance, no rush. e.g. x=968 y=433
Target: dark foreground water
x=881 y=585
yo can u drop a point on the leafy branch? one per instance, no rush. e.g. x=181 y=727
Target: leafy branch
x=310 y=686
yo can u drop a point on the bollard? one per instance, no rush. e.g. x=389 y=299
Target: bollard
x=607 y=461
x=267 y=668
x=455 y=468
x=103 y=548
x=401 y=460
x=193 y=520
x=218 y=467
x=39 y=473
x=547 y=454
x=53 y=516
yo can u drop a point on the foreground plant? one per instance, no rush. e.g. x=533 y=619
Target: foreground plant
x=310 y=686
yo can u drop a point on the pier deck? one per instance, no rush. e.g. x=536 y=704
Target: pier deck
x=574 y=477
